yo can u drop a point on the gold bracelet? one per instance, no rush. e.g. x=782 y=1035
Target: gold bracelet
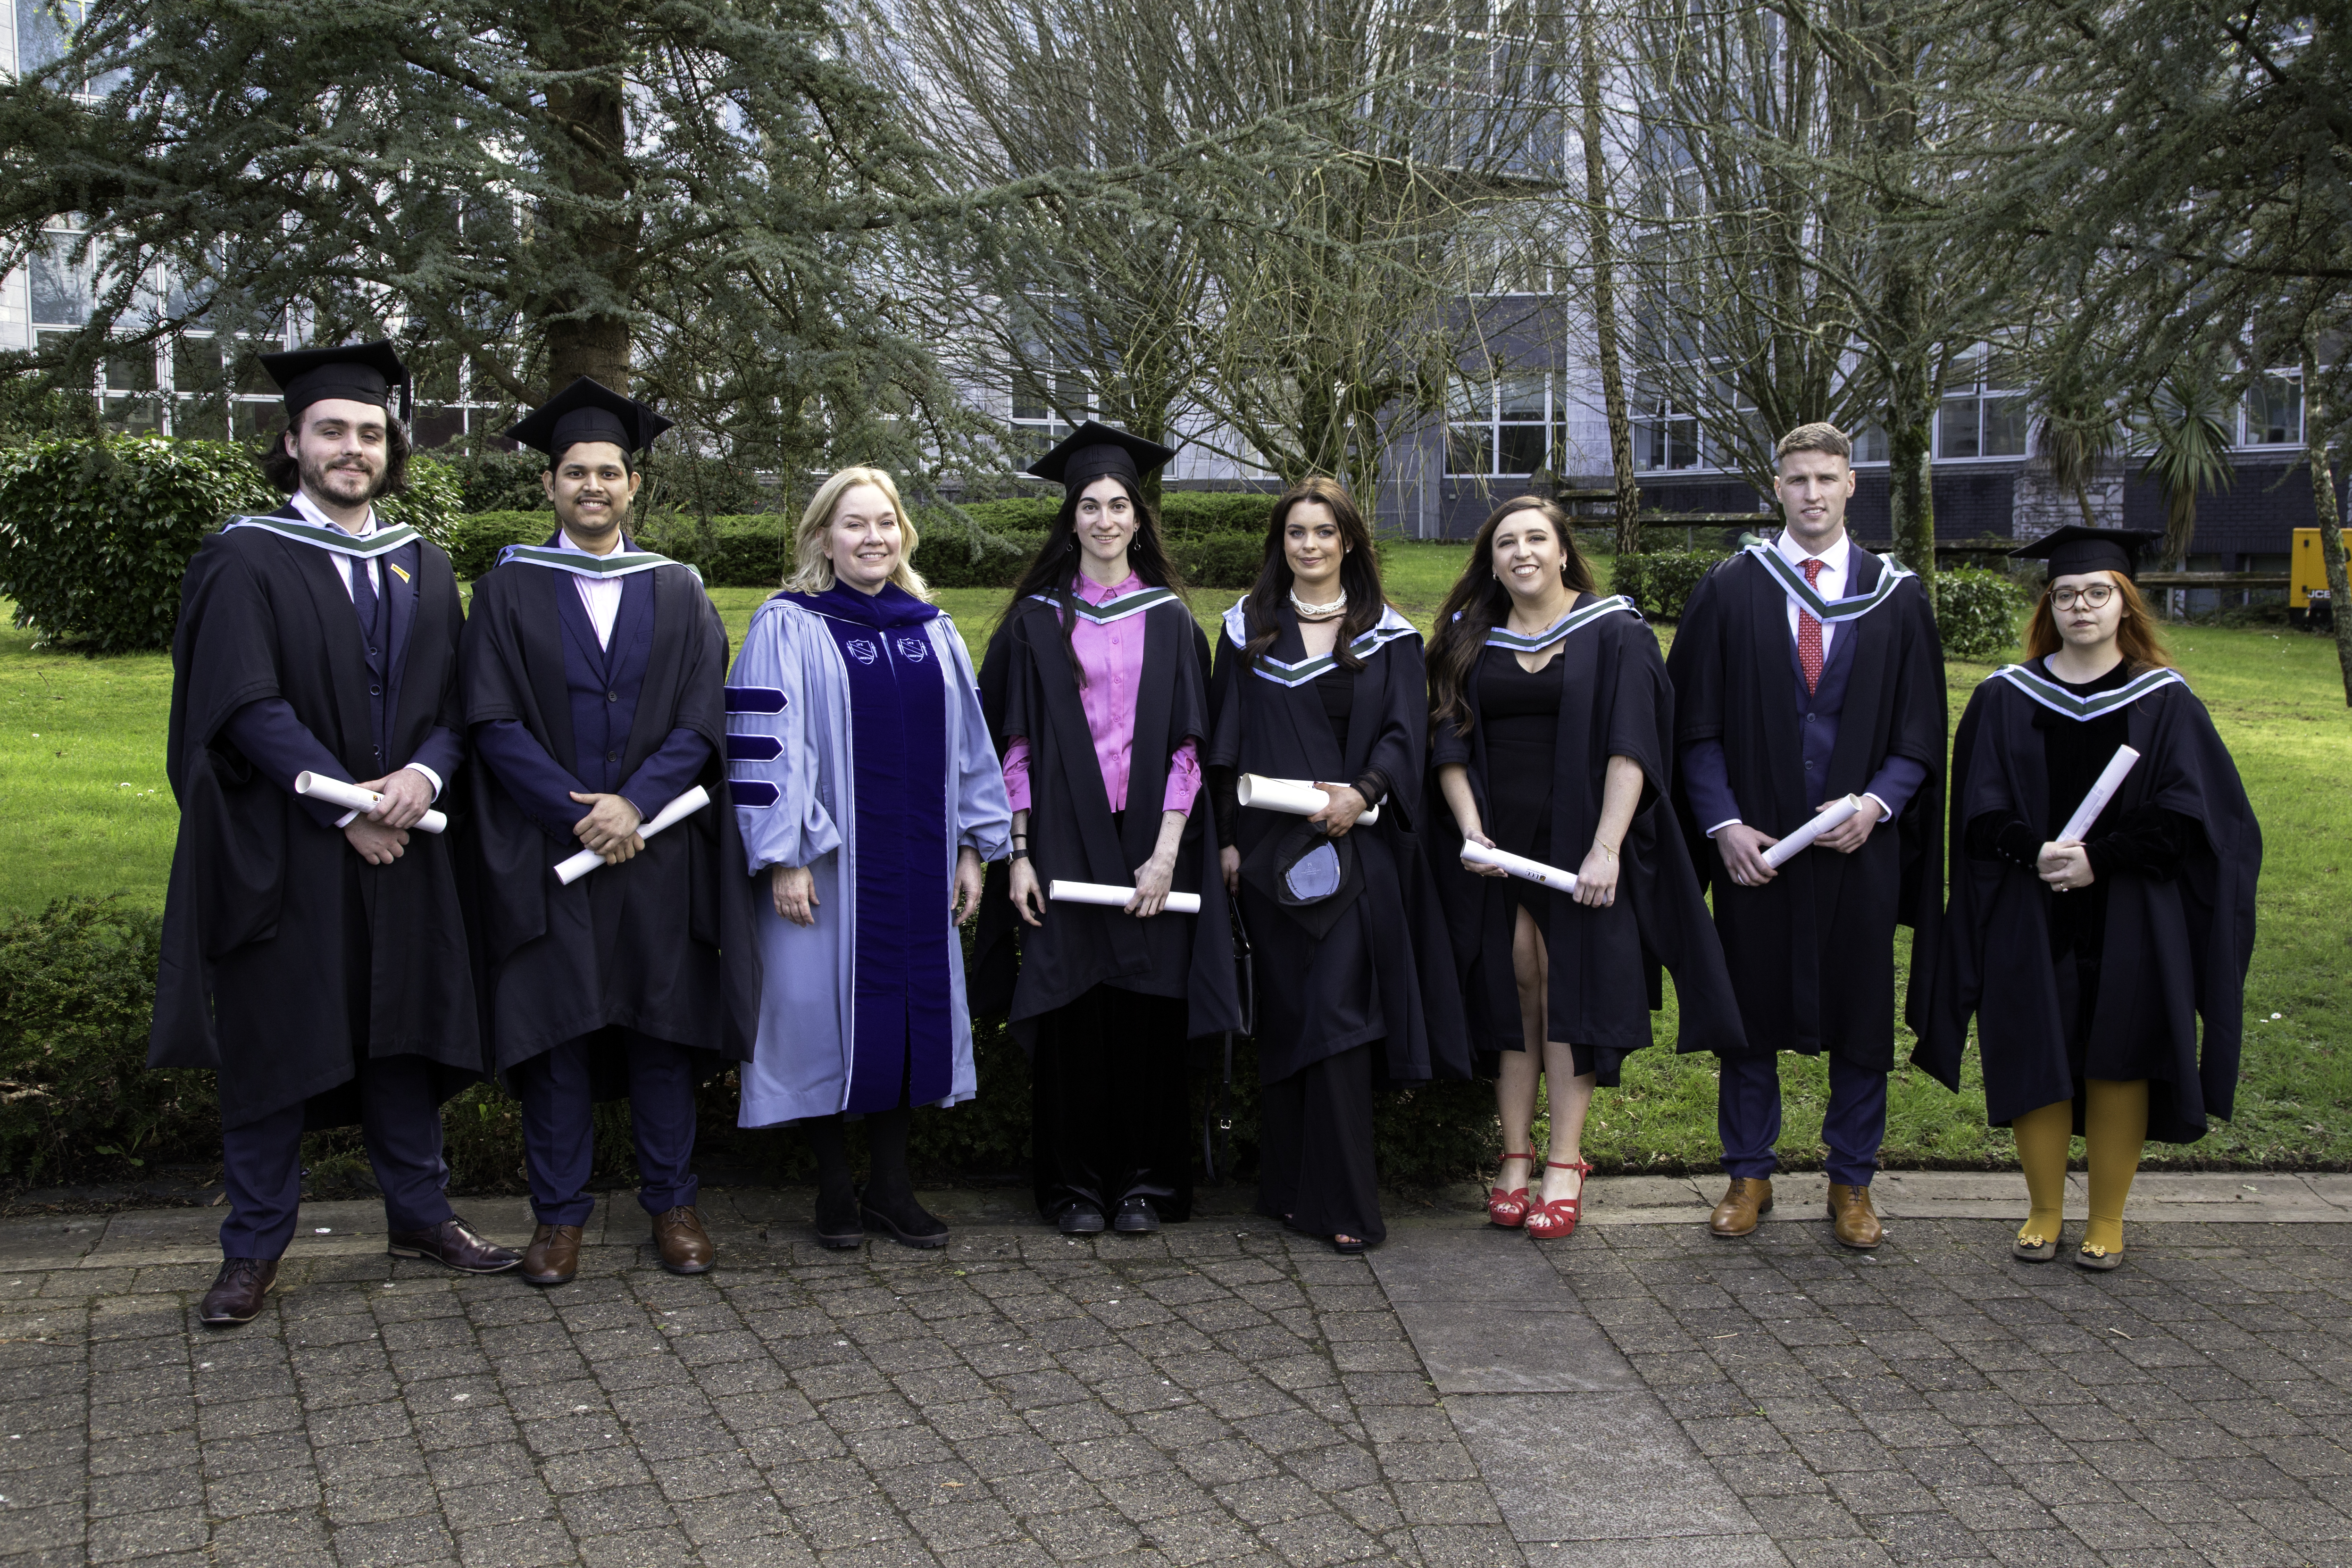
x=1604 y=848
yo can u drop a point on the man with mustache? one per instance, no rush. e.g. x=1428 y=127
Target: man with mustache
x=314 y=955
x=595 y=679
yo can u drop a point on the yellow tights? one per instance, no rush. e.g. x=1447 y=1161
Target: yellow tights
x=2115 y=1126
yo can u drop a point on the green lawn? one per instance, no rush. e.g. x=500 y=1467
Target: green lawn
x=84 y=807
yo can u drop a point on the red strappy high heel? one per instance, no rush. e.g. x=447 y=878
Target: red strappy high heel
x=1556 y=1220
x=1508 y=1209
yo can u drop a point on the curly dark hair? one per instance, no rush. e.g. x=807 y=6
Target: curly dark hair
x=1359 y=572
x=1479 y=603
x=284 y=471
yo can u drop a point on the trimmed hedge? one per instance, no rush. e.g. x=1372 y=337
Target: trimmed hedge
x=1977 y=612
x=78 y=1103
x=1659 y=582
x=96 y=531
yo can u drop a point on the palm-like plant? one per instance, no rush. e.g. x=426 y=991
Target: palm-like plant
x=2078 y=431
x=2186 y=426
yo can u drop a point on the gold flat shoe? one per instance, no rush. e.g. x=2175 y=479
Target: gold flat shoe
x=2098 y=1258
x=2033 y=1248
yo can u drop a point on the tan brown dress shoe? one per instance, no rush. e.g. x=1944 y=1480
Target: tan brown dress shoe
x=237 y=1292
x=1854 y=1224
x=553 y=1255
x=684 y=1245
x=1747 y=1201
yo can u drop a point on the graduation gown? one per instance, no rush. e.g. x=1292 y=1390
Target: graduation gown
x=662 y=943
x=2174 y=950
x=1384 y=970
x=1028 y=686
x=859 y=751
x=1603 y=980
x=267 y=904
x=1812 y=953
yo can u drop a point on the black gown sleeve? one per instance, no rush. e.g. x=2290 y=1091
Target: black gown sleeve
x=2003 y=835
x=2150 y=842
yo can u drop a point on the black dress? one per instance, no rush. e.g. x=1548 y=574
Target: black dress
x=1521 y=712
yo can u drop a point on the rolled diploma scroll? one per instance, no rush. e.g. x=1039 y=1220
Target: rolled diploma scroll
x=350 y=798
x=1519 y=866
x=2103 y=790
x=1111 y=898
x=1299 y=797
x=1837 y=811
x=587 y=860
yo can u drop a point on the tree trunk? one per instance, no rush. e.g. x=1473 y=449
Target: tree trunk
x=1604 y=296
x=1911 y=496
x=2331 y=523
x=587 y=327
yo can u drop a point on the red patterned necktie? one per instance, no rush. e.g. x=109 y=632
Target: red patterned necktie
x=1808 y=630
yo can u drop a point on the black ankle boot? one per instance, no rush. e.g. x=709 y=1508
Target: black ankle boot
x=889 y=1203
x=837 y=1222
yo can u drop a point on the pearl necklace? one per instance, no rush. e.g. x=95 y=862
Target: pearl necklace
x=1324 y=612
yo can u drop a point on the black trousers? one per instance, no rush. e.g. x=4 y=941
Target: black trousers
x=400 y=1122
x=1315 y=1148
x=559 y=1130
x=1110 y=1104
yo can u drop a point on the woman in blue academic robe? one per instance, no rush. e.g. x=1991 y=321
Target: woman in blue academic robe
x=867 y=791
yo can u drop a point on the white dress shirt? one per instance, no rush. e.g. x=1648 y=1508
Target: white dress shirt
x=601 y=598
x=310 y=513
x=1830 y=585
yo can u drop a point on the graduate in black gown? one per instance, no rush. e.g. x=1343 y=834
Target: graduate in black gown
x=314 y=955
x=1807 y=670
x=1095 y=686
x=1317 y=677
x=1552 y=737
x=2088 y=961
x=594 y=677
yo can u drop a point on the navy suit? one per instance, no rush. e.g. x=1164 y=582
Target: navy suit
x=558 y=1086
x=1747 y=1100
x=399 y=1097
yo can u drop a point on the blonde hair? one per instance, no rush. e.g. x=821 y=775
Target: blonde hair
x=1821 y=436
x=811 y=570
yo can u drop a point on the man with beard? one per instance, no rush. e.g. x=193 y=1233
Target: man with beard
x=594 y=678
x=315 y=955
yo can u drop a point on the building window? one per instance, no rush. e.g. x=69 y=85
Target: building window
x=61 y=277
x=2272 y=410
x=42 y=28
x=1501 y=426
x=1983 y=414
x=1665 y=430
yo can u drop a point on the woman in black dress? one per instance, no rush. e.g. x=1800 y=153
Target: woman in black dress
x=1552 y=726
x=2088 y=961
x=1319 y=679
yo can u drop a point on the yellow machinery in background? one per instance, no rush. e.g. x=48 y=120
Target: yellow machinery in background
x=2309 y=574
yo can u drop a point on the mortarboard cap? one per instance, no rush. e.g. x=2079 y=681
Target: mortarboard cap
x=2073 y=549
x=1093 y=451
x=588 y=410
x=362 y=372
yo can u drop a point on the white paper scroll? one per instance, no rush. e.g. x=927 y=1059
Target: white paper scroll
x=587 y=860
x=1836 y=811
x=1519 y=866
x=2103 y=790
x=1297 y=798
x=1115 y=898
x=350 y=798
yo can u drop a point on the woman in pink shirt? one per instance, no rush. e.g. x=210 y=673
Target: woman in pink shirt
x=1096 y=688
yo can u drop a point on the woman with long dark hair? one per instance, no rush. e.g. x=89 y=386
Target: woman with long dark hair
x=1319 y=678
x=1552 y=726
x=1095 y=687
x=2108 y=945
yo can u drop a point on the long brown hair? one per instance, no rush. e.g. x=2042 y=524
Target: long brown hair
x=1479 y=603
x=2134 y=634
x=1054 y=575
x=1359 y=572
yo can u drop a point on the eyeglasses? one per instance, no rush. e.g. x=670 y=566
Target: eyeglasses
x=2095 y=597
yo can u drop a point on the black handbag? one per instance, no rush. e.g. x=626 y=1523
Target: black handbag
x=1217 y=1127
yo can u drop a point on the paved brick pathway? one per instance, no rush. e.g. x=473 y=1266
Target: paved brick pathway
x=1221 y=1393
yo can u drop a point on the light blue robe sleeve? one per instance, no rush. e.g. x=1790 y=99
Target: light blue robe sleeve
x=983 y=815
x=772 y=768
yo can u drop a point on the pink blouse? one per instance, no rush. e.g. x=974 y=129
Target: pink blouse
x=1112 y=656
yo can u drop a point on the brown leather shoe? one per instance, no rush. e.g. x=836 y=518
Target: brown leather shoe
x=1856 y=1226
x=553 y=1257
x=453 y=1243
x=685 y=1245
x=1747 y=1200
x=237 y=1292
